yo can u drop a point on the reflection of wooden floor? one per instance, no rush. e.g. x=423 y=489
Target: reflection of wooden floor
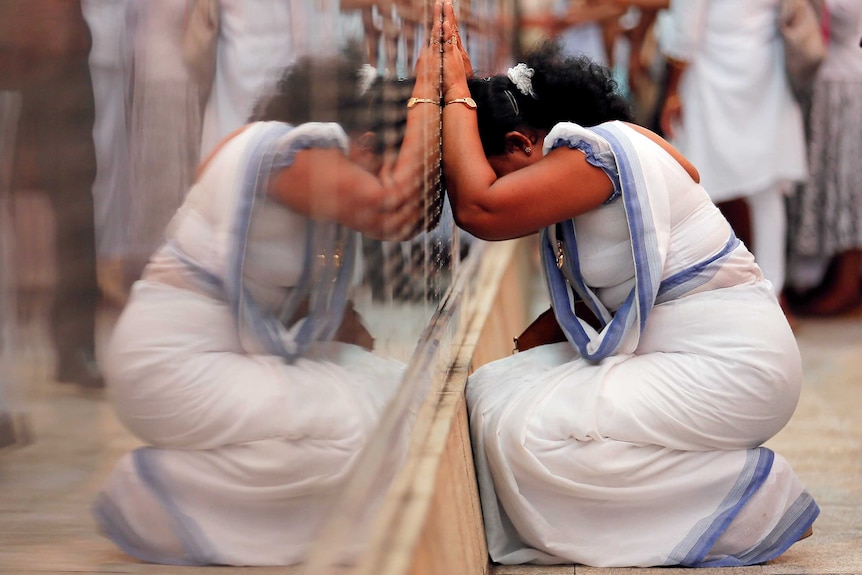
x=46 y=487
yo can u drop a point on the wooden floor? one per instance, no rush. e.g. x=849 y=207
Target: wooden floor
x=46 y=487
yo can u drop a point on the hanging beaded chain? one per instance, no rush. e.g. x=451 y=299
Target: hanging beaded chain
x=434 y=199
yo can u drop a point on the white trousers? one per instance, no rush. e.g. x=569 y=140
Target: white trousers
x=769 y=229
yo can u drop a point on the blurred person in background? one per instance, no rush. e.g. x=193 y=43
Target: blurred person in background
x=164 y=127
x=826 y=212
x=613 y=33
x=10 y=103
x=111 y=64
x=730 y=109
x=44 y=47
x=147 y=132
x=583 y=27
x=644 y=65
x=256 y=40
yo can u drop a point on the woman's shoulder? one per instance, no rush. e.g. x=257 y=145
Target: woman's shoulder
x=667 y=147
x=592 y=142
x=290 y=139
x=570 y=132
x=315 y=133
x=318 y=134
x=575 y=136
x=218 y=149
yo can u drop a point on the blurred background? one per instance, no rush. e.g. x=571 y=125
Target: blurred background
x=106 y=109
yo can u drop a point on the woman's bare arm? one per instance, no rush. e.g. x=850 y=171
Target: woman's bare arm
x=559 y=186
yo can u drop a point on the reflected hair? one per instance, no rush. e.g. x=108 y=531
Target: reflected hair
x=567 y=89
x=328 y=89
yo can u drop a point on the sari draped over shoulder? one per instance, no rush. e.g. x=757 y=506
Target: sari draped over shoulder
x=640 y=443
x=223 y=364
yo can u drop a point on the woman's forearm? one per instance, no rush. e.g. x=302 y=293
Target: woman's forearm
x=468 y=174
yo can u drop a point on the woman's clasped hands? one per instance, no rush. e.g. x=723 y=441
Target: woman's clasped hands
x=456 y=67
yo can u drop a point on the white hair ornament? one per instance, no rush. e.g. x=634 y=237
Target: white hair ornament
x=522 y=77
x=367 y=75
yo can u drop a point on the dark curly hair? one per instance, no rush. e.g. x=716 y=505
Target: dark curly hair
x=567 y=89
x=326 y=89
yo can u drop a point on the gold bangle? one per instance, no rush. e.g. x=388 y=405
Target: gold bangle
x=469 y=102
x=413 y=101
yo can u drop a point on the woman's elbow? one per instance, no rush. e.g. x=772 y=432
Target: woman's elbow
x=476 y=222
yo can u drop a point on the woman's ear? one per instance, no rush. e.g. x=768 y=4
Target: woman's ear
x=518 y=142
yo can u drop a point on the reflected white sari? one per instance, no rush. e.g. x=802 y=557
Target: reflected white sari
x=640 y=444
x=252 y=425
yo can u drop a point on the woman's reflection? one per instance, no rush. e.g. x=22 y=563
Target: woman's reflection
x=239 y=358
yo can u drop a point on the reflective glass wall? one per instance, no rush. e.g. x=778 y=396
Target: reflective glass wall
x=198 y=323
x=411 y=289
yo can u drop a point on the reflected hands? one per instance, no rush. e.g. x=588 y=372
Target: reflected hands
x=400 y=213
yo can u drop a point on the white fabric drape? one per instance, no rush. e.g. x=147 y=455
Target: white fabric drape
x=252 y=428
x=647 y=453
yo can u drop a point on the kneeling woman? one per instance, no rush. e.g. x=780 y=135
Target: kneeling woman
x=238 y=358
x=637 y=439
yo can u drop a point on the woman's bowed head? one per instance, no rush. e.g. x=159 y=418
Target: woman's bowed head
x=500 y=183
x=378 y=187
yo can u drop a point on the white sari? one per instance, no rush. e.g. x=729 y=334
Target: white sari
x=253 y=422
x=639 y=444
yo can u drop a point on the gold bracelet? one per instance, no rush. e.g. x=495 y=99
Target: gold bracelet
x=413 y=101
x=469 y=102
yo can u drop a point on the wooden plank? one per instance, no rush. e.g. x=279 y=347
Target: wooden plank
x=430 y=522
x=533 y=570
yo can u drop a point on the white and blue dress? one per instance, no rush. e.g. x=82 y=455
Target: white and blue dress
x=640 y=444
x=222 y=363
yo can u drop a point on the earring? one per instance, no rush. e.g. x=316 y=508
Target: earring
x=528 y=150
